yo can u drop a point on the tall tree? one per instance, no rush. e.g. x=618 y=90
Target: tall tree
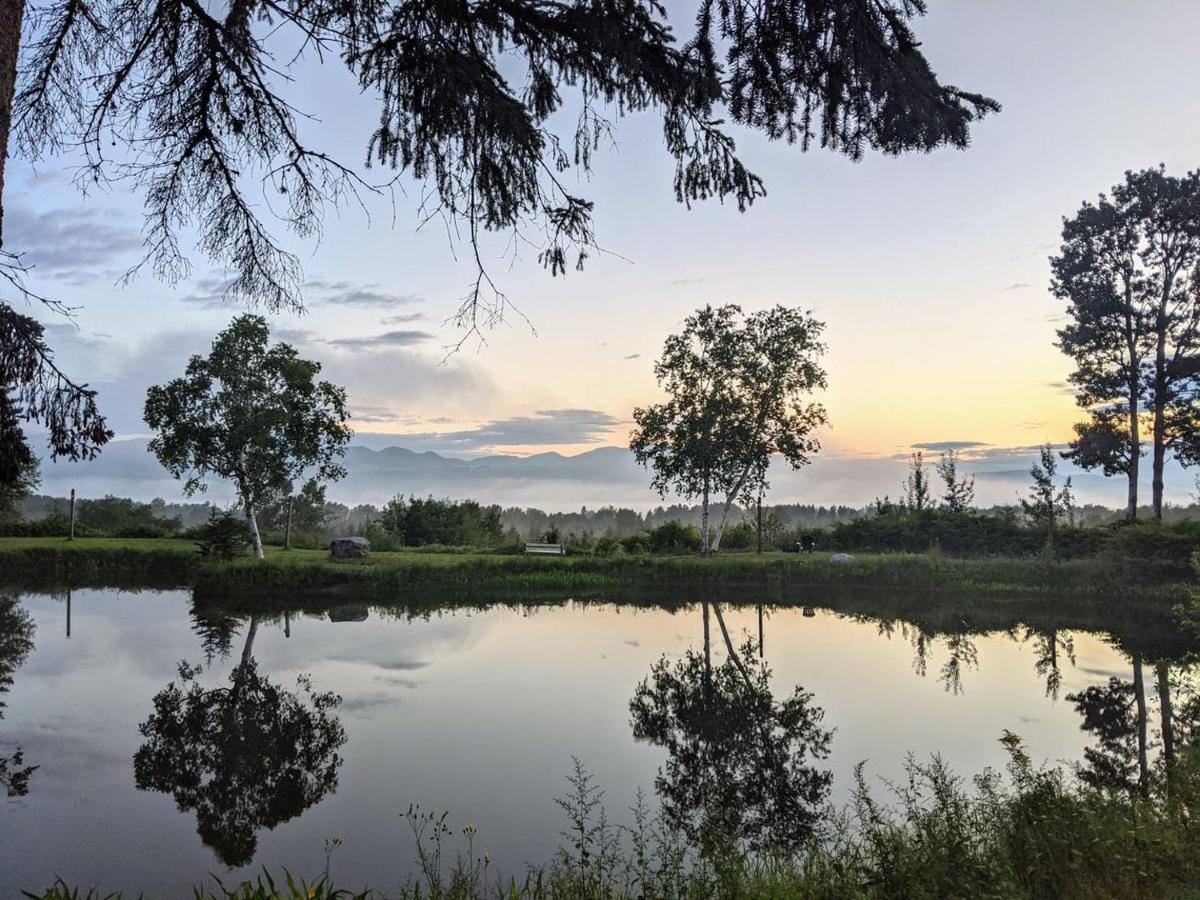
x=917 y=495
x=187 y=102
x=958 y=495
x=1129 y=268
x=252 y=413
x=736 y=396
x=1048 y=504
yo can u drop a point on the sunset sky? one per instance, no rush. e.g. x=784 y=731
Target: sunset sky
x=930 y=270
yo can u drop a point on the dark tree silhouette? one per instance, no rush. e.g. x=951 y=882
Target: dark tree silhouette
x=244 y=757
x=739 y=764
x=1111 y=714
x=189 y=103
x=16 y=643
x=1129 y=269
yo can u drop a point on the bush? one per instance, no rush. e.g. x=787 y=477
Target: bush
x=417 y=521
x=739 y=537
x=636 y=544
x=224 y=536
x=51 y=526
x=673 y=537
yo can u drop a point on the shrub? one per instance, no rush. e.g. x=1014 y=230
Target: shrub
x=224 y=536
x=636 y=544
x=739 y=537
x=673 y=537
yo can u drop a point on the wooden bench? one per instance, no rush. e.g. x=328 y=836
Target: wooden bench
x=545 y=549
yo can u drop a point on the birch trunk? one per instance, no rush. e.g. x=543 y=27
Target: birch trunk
x=1166 y=714
x=1139 y=693
x=12 y=12
x=737 y=489
x=255 y=537
x=1135 y=452
x=704 y=519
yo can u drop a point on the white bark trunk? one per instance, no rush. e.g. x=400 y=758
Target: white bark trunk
x=255 y=537
x=704 y=520
x=729 y=505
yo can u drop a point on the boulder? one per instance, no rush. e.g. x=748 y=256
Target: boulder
x=349 y=548
x=841 y=559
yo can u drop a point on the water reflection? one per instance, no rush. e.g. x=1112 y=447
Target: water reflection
x=1130 y=744
x=244 y=757
x=16 y=642
x=739 y=764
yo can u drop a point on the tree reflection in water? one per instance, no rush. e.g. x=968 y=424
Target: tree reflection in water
x=739 y=764
x=246 y=756
x=16 y=643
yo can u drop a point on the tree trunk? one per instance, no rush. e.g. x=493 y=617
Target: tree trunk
x=287 y=528
x=248 y=646
x=1165 y=712
x=255 y=537
x=730 y=497
x=707 y=653
x=704 y=519
x=1135 y=453
x=1160 y=416
x=11 y=14
x=1139 y=693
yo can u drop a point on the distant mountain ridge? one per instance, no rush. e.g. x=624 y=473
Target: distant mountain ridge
x=605 y=476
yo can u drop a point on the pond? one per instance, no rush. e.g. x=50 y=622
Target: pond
x=149 y=781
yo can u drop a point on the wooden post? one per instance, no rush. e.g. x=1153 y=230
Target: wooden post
x=68 y=613
x=760 y=522
x=287 y=527
x=71 y=533
x=760 y=631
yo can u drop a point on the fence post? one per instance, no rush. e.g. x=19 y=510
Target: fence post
x=71 y=533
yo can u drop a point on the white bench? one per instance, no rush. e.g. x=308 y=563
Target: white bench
x=545 y=549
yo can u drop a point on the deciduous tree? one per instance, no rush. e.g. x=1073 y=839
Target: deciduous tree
x=250 y=412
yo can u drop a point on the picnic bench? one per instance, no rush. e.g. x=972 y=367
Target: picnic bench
x=545 y=549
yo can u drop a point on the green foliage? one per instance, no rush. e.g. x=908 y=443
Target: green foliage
x=418 y=522
x=959 y=490
x=224 y=536
x=1048 y=507
x=736 y=396
x=917 y=496
x=742 y=536
x=249 y=412
x=672 y=537
x=119 y=517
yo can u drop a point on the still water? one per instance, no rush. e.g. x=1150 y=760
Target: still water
x=477 y=712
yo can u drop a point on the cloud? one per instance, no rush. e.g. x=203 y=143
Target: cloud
x=544 y=427
x=77 y=245
x=402 y=319
x=385 y=340
x=950 y=445
x=208 y=292
x=1018 y=286
x=344 y=293
x=634 y=356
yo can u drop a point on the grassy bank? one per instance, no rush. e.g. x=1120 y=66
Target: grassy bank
x=54 y=562
x=1027 y=833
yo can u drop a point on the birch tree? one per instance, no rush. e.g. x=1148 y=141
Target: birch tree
x=776 y=369
x=252 y=413
x=685 y=439
x=736 y=396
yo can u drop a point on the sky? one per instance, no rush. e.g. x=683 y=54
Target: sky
x=930 y=270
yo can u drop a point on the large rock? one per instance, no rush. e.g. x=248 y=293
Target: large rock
x=841 y=559
x=349 y=548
